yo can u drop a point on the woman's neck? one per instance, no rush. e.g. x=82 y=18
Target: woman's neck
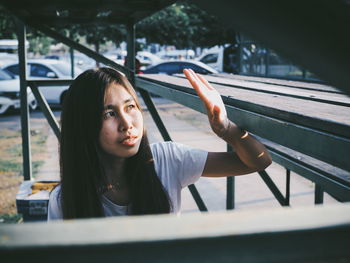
x=114 y=168
x=116 y=188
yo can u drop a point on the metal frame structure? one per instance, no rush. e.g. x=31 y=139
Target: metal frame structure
x=306 y=235
x=240 y=113
x=315 y=170
x=317 y=234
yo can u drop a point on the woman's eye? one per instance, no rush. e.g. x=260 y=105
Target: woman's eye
x=109 y=114
x=131 y=106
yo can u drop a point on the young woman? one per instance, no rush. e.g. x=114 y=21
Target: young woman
x=108 y=168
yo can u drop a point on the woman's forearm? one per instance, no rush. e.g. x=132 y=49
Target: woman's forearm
x=251 y=152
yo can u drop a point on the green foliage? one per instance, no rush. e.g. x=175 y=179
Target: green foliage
x=185 y=26
x=96 y=34
x=11 y=218
x=182 y=24
x=39 y=44
x=10 y=166
x=7 y=26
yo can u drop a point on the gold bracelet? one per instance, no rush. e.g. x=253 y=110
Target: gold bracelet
x=245 y=135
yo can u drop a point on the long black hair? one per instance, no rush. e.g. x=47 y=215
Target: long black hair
x=81 y=171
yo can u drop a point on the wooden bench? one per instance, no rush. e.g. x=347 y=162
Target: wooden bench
x=307 y=131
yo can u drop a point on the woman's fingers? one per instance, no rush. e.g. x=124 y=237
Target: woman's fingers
x=203 y=80
x=196 y=83
x=189 y=76
x=205 y=91
x=215 y=107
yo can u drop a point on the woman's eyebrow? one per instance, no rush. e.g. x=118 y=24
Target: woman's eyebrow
x=110 y=106
x=128 y=100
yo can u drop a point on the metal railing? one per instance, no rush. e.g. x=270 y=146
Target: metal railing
x=240 y=112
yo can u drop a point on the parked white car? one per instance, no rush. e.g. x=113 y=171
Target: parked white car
x=80 y=60
x=176 y=54
x=147 y=59
x=177 y=67
x=48 y=69
x=10 y=93
x=116 y=56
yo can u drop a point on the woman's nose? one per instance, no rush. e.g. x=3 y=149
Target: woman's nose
x=125 y=122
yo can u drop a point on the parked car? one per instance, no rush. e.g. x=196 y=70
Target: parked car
x=80 y=60
x=48 y=69
x=222 y=58
x=7 y=58
x=116 y=56
x=175 y=67
x=176 y=54
x=10 y=93
x=147 y=59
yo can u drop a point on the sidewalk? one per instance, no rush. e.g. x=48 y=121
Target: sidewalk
x=190 y=127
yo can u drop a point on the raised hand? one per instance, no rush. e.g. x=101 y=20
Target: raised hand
x=212 y=100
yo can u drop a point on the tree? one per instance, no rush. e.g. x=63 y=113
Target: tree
x=38 y=43
x=184 y=25
x=7 y=26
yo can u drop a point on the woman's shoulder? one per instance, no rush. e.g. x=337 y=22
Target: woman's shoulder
x=176 y=160
x=159 y=146
x=54 y=207
x=166 y=149
x=55 y=194
x=176 y=152
x=172 y=148
x=56 y=191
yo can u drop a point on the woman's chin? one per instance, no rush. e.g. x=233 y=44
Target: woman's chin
x=127 y=151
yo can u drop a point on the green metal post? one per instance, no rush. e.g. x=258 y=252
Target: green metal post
x=287 y=199
x=304 y=74
x=25 y=125
x=240 y=59
x=50 y=117
x=273 y=188
x=154 y=113
x=267 y=62
x=318 y=194
x=130 y=58
x=230 y=188
x=71 y=51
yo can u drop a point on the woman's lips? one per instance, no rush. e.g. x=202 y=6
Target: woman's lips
x=129 y=141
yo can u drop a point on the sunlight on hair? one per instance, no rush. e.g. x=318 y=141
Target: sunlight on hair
x=245 y=135
x=261 y=154
x=120 y=72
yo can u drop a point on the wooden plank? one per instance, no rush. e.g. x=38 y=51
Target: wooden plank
x=324 y=168
x=303 y=139
x=329 y=98
x=319 y=232
x=283 y=82
x=333 y=119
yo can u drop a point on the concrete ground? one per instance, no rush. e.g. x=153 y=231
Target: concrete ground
x=189 y=127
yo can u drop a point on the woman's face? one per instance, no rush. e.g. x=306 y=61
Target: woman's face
x=122 y=123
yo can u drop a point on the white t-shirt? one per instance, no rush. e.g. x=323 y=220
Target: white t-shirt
x=176 y=165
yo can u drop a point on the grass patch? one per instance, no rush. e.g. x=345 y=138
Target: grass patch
x=11 y=167
x=11 y=218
